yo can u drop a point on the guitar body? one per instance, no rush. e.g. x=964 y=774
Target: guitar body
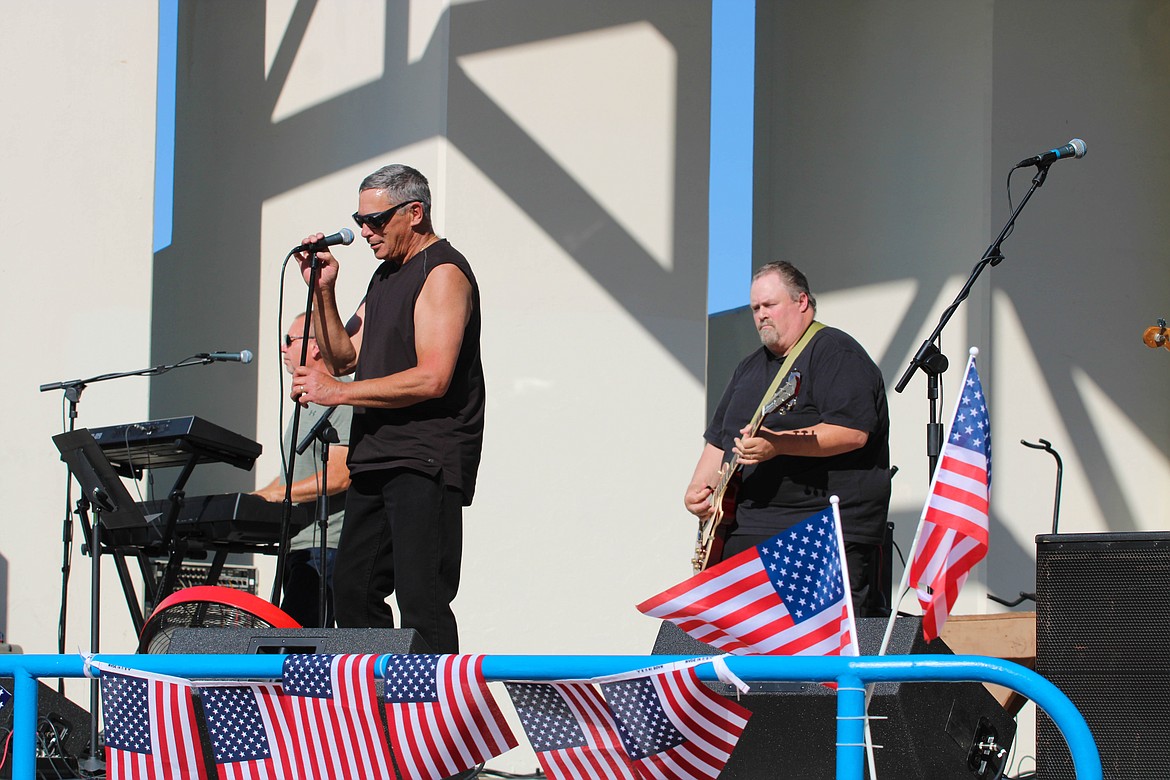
x=714 y=529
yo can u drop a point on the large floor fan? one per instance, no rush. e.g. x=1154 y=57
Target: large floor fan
x=208 y=606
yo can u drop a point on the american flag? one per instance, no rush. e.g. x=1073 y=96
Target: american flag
x=571 y=730
x=786 y=596
x=249 y=732
x=333 y=709
x=952 y=536
x=442 y=717
x=673 y=726
x=150 y=727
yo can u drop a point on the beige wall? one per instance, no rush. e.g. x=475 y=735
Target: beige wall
x=884 y=136
x=75 y=207
x=567 y=147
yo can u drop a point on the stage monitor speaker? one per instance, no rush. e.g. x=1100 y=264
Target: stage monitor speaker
x=250 y=641
x=931 y=730
x=287 y=641
x=1102 y=635
x=62 y=726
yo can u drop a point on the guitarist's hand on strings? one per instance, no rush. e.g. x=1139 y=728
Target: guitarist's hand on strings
x=755 y=449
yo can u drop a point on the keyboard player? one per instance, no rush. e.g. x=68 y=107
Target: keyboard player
x=301 y=584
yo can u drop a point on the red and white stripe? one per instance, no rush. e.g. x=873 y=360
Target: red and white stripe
x=434 y=740
x=734 y=607
x=711 y=724
x=174 y=740
x=342 y=737
x=602 y=757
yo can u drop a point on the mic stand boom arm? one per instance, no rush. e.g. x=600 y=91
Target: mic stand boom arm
x=73 y=389
x=929 y=357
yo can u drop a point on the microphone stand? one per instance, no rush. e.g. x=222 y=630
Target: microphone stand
x=929 y=357
x=286 y=505
x=931 y=360
x=324 y=432
x=73 y=389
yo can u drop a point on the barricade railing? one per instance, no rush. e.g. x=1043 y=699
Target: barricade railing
x=850 y=674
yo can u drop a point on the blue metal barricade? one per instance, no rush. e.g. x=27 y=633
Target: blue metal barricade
x=850 y=674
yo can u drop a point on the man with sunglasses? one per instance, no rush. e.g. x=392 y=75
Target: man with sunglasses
x=302 y=567
x=418 y=399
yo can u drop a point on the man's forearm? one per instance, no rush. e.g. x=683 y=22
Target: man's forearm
x=397 y=391
x=822 y=440
x=334 y=341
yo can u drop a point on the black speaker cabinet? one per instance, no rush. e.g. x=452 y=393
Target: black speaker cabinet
x=250 y=641
x=930 y=730
x=62 y=726
x=1103 y=637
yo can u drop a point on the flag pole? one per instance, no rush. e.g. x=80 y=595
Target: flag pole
x=835 y=501
x=904 y=587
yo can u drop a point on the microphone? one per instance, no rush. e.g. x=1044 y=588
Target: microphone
x=343 y=236
x=1074 y=148
x=243 y=356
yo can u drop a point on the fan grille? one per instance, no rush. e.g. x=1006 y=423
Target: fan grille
x=200 y=615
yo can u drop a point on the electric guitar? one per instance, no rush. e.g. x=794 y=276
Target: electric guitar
x=713 y=528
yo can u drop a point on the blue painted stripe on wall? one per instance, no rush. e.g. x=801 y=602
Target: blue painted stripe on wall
x=164 y=134
x=733 y=56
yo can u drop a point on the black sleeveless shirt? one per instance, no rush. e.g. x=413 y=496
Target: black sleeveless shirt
x=438 y=436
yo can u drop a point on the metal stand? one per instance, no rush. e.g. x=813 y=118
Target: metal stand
x=286 y=505
x=931 y=360
x=929 y=357
x=94 y=762
x=73 y=389
x=1047 y=447
x=103 y=491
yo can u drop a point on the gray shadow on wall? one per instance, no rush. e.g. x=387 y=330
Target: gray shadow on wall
x=230 y=157
x=883 y=140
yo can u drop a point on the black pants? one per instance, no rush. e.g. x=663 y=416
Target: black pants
x=862 y=560
x=403 y=534
x=302 y=586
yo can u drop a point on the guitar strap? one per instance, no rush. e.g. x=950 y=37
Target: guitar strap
x=786 y=366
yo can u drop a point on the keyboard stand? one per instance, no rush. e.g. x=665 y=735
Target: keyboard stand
x=98 y=457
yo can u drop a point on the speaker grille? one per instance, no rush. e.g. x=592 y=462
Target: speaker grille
x=1101 y=637
x=927 y=734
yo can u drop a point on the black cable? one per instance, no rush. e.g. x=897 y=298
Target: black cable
x=1011 y=206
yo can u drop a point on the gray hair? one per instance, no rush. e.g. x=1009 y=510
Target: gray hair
x=402 y=183
x=790 y=275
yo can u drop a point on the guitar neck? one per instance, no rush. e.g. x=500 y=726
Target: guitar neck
x=732 y=466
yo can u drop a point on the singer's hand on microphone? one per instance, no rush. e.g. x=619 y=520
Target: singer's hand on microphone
x=327 y=263
x=310 y=385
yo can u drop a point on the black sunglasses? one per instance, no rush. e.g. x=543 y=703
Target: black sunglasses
x=379 y=218
x=288 y=340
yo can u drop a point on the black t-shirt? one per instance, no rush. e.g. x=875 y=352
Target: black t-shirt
x=840 y=385
x=442 y=435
